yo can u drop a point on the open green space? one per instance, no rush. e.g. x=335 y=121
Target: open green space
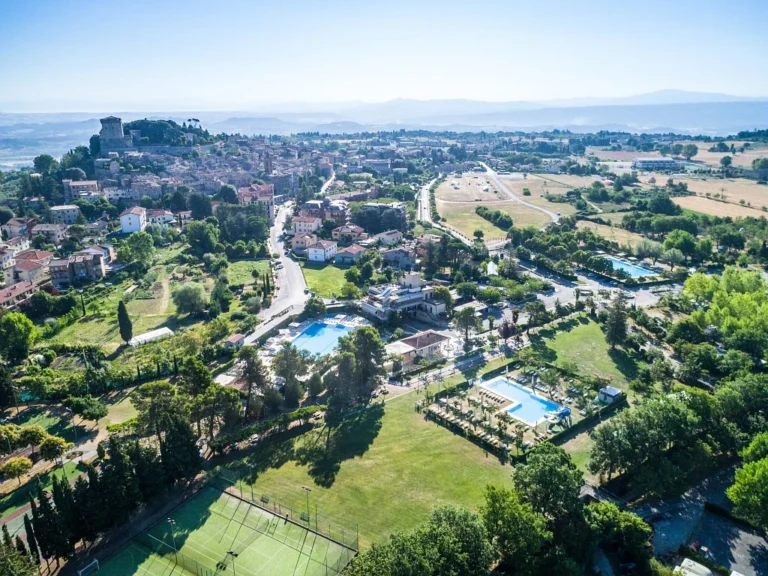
x=19 y=498
x=383 y=469
x=325 y=280
x=52 y=422
x=584 y=344
x=217 y=533
x=240 y=272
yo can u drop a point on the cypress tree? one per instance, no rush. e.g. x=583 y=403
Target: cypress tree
x=31 y=539
x=6 y=537
x=20 y=546
x=126 y=326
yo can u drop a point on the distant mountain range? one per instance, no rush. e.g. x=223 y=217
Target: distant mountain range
x=24 y=133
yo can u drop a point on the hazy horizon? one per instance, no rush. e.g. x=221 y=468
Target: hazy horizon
x=87 y=56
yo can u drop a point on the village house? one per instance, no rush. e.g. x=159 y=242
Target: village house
x=261 y=194
x=160 y=217
x=133 y=220
x=17 y=227
x=66 y=214
x=389 y=238
x=426 y=345
x=424 y=241
x=305 y=224
x=86 y=266
x=29 y=266
x=348 y=233
x=321 y=251
x=412 y=295
x=350 y=254
x=401 y=257
x=301 y=242
x=10 y=296
x=54 y=233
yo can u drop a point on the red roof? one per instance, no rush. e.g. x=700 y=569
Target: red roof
x=14 y=291
x=33 y=255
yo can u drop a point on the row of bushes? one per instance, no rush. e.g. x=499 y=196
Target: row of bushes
x=283 y=421
x=496 y=217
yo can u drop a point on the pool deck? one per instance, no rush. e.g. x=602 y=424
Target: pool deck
x=508 y=403
x=275 y=344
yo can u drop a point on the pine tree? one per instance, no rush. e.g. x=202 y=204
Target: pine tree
x=616 y=324
x=118 y=474
x=65 y=509
x=149 y=470
x=34 y=551
x=126 y=326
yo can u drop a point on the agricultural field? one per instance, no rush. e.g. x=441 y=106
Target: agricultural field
x=325 y=280
x=743 y=159
x=384 y=470
x=716 y=208
x=734 y=190
x=613 y=233
x=620 y=155
x=612 y=217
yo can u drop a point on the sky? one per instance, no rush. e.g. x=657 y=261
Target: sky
x=80 y=55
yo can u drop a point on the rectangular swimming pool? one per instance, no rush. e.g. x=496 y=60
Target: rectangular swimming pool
x=528 y=408
x=321 y=337
x=631 y=269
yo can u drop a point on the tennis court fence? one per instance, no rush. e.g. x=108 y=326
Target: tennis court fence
x=230 y=481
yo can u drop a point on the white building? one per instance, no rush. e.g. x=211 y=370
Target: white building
x=411 y=296
x=654 y=164
x=66 y=214
x=322 y=251
x=305 y=224
x=160 y=217
x=133 y=220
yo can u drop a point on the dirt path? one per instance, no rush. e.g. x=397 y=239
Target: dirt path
x=166 y=299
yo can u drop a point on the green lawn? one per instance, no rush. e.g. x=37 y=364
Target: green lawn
x=325 y=280
x=239 y=273
x=53 y=423
x=584 y=345
x=384 y=470
x=11 y=502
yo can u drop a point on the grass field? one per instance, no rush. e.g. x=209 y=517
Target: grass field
x=467 y=189
x=239 y=273
x=612 y=233
x=585 y=346
x=12 y=501
x=384 y=470
x=613 y=217
x=324 y=279
x=213 y=525
x=716 y=208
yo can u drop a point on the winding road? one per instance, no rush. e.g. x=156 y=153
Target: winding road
x=492 y=175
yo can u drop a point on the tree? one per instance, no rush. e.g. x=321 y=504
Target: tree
x=45 y=164
x=467 y=321
x=202 y=237
x=549 y=481
x=518 y=532
x=616 y=324
x=194 y=376
x=16 y=467
x=726 y=162
x=137 y=251
x=673 y=257
x=478 y=234
x=17 y=334
x=289 y=363
x=219 y=402
x=190 y=298
x=537 y=313
x=749 y=492
x=200 y=206
x=443 y=294
x=32 y=435
x=34 y=551
x=179 y=452
x=349 y=291
x=124 y=321
x=254 y=374
x=228 y=194
x=681 y=240
x=53 y=447
x=690 y=150
x=87 y=407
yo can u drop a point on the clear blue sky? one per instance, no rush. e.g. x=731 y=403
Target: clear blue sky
x=86 y=55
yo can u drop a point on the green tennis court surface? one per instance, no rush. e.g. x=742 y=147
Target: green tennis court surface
x=217 y=533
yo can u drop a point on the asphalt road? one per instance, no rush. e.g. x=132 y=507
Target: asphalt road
x=501 y=186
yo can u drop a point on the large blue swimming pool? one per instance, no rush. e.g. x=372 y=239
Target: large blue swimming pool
x=320 y=337
x=631 y=269
x=528 y=408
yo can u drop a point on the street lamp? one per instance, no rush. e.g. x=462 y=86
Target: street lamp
x=73 y=423
x=251 y=467
x=234 y=555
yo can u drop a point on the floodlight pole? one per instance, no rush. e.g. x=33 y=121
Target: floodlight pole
x=250 y=467
x=307 y=489
x=234 y=555
x=172 y=523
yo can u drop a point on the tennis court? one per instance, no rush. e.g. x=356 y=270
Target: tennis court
x=218 y=533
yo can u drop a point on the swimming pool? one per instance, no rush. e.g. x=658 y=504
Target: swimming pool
x=631 y=269
x=321 y=337
x=528 y=408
